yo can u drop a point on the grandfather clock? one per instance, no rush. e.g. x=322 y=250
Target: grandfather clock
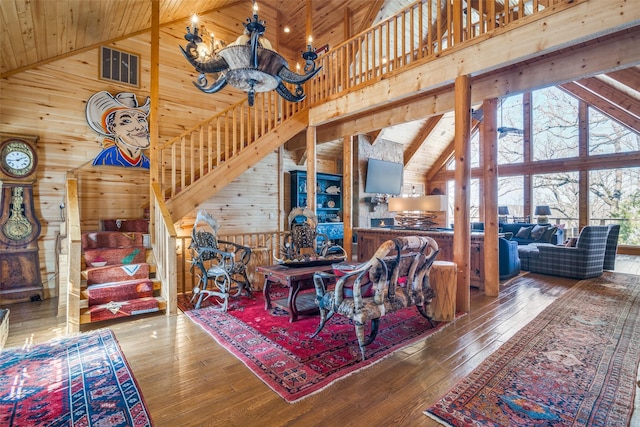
x=20 y=278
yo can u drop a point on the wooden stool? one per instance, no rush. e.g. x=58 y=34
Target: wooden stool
x=443 y=280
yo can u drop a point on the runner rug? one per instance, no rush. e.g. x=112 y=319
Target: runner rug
x=575 y=364
x=283 y=355
x=79 y=381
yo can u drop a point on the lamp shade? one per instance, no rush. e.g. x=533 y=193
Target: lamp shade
x=421 y=203
x=503 y=210
x=542 y=210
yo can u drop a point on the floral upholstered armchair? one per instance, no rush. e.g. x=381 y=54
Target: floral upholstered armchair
x=221 y=265
x=396 y=276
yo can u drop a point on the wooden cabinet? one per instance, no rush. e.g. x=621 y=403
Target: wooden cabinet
x=369 y=239
x=328 y=201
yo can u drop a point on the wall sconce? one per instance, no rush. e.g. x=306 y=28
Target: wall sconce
x=542 y=213
x=417 y=212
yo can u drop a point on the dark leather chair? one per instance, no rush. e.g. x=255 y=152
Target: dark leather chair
x=509 y=260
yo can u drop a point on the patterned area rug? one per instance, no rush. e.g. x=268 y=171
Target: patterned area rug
x=283 y=355
x=575 y=364
x=79 y=381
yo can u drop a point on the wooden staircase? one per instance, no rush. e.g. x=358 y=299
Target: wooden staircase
x=118 y=277
x=203 y=160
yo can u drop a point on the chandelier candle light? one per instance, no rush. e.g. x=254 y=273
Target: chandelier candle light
x=417 y=212
x=249 y=64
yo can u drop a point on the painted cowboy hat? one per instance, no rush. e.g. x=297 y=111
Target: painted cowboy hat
x=102 y=104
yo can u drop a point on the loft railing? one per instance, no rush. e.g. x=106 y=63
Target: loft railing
x=199 y=150
x=419 y=32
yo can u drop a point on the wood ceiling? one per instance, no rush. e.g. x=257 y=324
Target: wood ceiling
x=35 y=32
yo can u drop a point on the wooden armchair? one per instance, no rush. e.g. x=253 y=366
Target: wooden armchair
x=303 y=240
x=221 y=265
x=382 y=285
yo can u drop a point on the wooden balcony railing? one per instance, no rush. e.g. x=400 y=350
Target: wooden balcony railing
x=188 y=157
x=419 y=32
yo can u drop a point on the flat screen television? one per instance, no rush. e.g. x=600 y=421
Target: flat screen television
x=383 y=177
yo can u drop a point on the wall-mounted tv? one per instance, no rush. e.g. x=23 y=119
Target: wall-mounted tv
x=383 y=177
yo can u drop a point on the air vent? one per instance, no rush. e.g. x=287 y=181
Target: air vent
x=118 y=66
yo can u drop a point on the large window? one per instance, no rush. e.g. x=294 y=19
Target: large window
x=614 y=197
x=511 y=194
x=474 y=201
x=607 y=136
x=560 y=192
x=510 y=130
x=554 y=124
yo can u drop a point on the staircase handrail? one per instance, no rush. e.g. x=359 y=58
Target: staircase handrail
x=199 y=150
x=163 y=242
x=70 y=292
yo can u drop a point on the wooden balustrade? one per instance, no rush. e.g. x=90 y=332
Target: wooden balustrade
x=270 y=241
x=164 y=250
x=188 y=157
x=419 y=32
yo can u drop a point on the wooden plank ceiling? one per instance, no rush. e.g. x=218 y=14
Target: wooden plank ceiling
x=39 y=31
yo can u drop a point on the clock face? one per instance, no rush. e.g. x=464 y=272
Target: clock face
x=17 y=158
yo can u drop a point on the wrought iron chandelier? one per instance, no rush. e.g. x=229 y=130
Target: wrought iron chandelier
x=249 y=64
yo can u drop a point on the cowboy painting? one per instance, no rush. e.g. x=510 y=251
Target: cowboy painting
x=123 y=124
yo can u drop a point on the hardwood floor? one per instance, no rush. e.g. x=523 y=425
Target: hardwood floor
x=189 y=380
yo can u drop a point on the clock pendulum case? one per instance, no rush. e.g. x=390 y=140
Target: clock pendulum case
x=20 y=278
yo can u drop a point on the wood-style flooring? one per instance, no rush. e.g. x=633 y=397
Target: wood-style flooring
x=187 y=379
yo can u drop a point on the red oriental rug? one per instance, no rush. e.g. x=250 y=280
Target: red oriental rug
x=283 y=355
x=575 y=364
x=79 y=381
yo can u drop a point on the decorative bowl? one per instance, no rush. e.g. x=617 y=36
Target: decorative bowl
x=99 y=264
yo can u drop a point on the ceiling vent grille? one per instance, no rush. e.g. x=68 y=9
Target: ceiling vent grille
x=118 y=66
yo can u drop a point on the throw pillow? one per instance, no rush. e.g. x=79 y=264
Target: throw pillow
x=548 y=235
x=571 y=243
x=524 y=232
x=538 y=231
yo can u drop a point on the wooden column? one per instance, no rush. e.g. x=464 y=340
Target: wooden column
x=153 y=111
x=528 y=152
x=347 y=194
x=489 y=142
x=462 y=233
x=312 y=191
x=584 y=217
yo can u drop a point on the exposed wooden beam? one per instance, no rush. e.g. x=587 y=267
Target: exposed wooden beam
x=602 y=105
x=627 y=76
x=424 y=132
x=603 y=55
x=613 y=95
x=510 y=47
x=489 y=141
x=374 y=136
x=372 y=12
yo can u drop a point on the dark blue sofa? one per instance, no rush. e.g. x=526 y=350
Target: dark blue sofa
x=551 y=234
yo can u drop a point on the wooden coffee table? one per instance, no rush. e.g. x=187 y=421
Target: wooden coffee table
x=296 y=279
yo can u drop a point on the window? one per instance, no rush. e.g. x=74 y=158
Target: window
x=555 y=124
x=474 y=200
x=119 y=66
x=560 y=192
x=511 y=194
x=510 y=130
x=607 y=136
x=614 y=198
